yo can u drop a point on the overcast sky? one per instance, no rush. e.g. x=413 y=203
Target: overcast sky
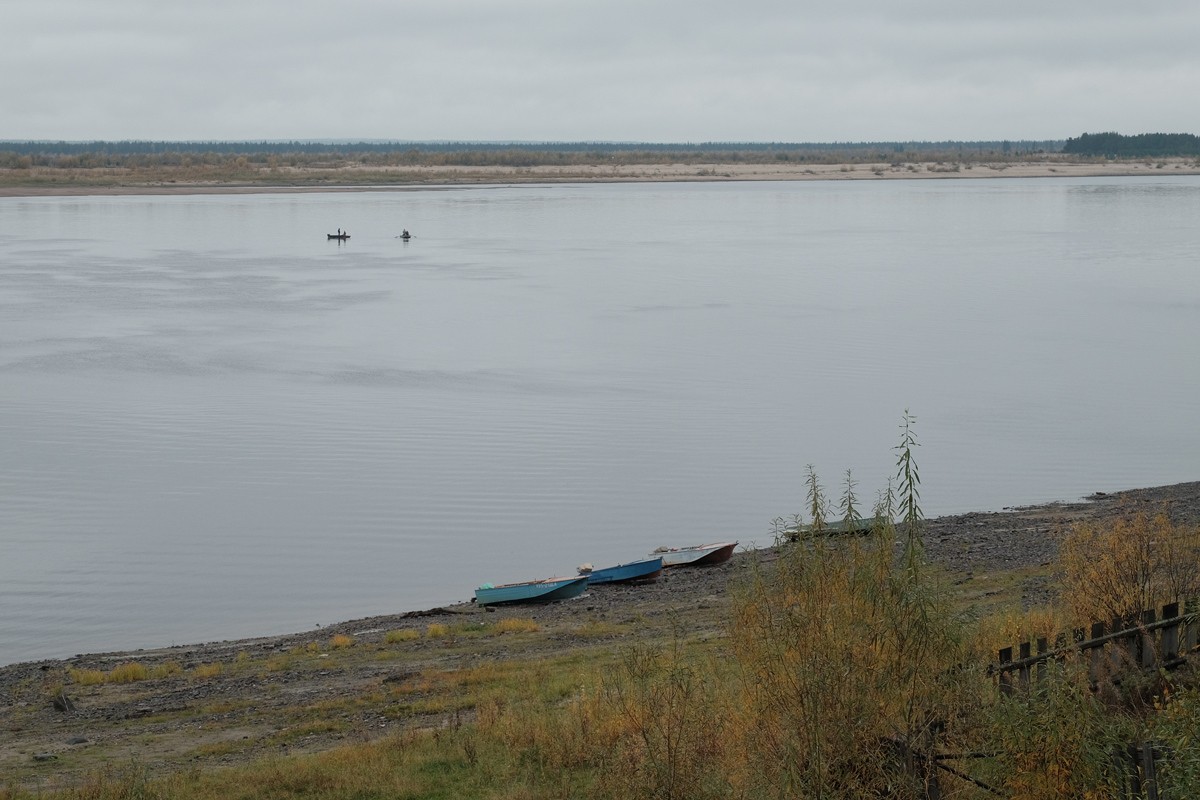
x=614 y=70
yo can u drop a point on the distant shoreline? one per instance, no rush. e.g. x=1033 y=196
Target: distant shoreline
x=62 y=183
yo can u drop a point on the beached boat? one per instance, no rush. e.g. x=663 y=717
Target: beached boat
x=858 y=527
x=543 y=591
x=699 y=556
x=642 y=571
x=342 y=236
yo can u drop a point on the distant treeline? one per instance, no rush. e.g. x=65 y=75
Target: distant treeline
x=99 y=150
x=1142 y=145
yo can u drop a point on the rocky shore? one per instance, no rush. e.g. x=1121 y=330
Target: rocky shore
x=225 y=702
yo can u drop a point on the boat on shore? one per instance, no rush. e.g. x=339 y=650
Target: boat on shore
x=702 y=555
x=857 y=527
x=544 y=591
x=644 y=571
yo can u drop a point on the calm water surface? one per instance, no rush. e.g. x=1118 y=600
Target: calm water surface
x=216 y=423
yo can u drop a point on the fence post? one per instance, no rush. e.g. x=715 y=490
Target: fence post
x=1149 y=773
x=1170 y=634
x=1149 y=651
x=1097 y=659
x=1024 y=668
x=1125 y=760
x=1190 y=608
x=1005 y=658
x=1124 y=649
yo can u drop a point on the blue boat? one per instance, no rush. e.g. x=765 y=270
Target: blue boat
x=543 y=591
x=642 y=571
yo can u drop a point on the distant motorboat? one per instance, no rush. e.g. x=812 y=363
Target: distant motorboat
x=342 y=236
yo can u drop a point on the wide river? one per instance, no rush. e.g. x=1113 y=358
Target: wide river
x=217 y=423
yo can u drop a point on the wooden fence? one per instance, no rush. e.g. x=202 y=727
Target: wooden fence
x=1151 y=640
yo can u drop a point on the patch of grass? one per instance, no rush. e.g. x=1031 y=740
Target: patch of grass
x=131 y=672
x=598 y=629
x=88 y=677
x=301 y=730
x=225 y=707
x=280 y=663
x=436 y=630
x=341 y=641
x=206 y=671
x=128 y=673
x=216 y=749
x=401 y=635
x=516 y=625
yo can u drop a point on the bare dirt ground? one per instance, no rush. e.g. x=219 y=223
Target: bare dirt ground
x=228 y=702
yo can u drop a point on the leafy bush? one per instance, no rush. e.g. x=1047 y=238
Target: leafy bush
x=1117 y=570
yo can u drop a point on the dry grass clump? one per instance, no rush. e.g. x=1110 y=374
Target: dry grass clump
x=516 y=625
x=131 y=672
x=205 y=671
x=401 y=635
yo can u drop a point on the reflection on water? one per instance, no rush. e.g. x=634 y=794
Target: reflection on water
x=218 y=423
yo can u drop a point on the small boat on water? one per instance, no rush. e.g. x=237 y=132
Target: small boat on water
x=342 y=236
x=543 y=591
x=699 y=556
x=643 y=571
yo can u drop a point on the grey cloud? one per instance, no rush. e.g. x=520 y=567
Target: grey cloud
x=535 y=69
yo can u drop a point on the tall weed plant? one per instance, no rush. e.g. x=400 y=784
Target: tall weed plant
x=849 y=661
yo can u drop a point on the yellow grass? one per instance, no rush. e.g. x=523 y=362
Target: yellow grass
x=203 y=671
x=516 y=625
x=131 y=672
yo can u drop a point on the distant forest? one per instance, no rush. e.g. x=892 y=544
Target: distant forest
x=472 y=152
x=1142 y=145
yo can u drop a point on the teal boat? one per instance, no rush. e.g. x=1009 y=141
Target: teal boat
x=642 y=571
x=543 y=591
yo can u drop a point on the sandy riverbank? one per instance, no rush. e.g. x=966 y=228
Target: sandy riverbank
x=228 y=702
x=49 y=183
